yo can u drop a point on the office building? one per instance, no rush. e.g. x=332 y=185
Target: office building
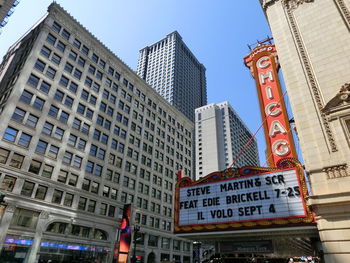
x=221 y=137
x=6 y=10
x=313 y=43
x=80 y=136
x=174 y=72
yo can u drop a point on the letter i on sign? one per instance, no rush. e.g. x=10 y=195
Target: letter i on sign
x=200 y=216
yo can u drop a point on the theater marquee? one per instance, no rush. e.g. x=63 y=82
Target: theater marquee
x=247 y=197
x=266 y=196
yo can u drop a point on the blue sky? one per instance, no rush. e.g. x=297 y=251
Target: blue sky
x=217 y=32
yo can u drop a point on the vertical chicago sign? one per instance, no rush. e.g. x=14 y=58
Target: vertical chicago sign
x=263 y=64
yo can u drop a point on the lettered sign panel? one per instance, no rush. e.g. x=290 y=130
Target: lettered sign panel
x=263 y=64
x=271 y=195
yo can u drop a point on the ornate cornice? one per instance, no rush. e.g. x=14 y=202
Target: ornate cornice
x=291 y=4
x=340 y=102
x=294 y=4
x=266 y=3
x=336 y=171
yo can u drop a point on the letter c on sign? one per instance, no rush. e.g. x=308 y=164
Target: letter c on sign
x=281 y=148
x=260 y=63
x=272 y=109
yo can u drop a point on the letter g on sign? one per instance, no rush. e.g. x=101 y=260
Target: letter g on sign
x=280 y=148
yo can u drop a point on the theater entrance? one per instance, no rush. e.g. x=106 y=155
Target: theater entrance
x=274 y=245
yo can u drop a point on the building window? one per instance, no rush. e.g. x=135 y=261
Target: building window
x=165 y=243
x=32 y=121
x=18 y=114
x=57 y=196
x=41 y=147
x=67 y=158
x=86 y=184
x=16 y=160
x=47 y=129
x=47 y=171
x=91 y=206
x=153 y=241
x=45 y=87
x=26 y=97
x=24 y=140
x=25 y=218
x=77 y=43
x=8 y=183
x=38 y=103
x=68 y=200
x=82 y=203
x=111 y=211
x=27 y=188
x=34 y=167
x=41 y=192
x=62 y=176
x=33 y=80
x=94 y=187
x=53 y=111
x=56 y=27
x=4 y=154
x=103 y=209
x=10 y=134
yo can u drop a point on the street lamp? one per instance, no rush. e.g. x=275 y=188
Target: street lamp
x=136 y=231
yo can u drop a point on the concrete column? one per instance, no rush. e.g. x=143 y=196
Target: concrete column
x=5 y=223
x=32 y=256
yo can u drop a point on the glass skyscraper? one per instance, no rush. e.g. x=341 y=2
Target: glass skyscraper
x=174 y=72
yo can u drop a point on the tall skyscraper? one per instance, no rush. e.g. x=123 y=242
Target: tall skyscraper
x=313 y=43
x=6 y=10
x=174 y=72
x=80 y=136
x=220 y=137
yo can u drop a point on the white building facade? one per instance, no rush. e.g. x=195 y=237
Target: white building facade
x=174 y=72
x=313 y=44
x=80 y=136
x=220 y=138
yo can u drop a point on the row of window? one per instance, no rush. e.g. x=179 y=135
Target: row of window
x=95 y=58
x=82 y=109
x=152 y=221
x=41 y=192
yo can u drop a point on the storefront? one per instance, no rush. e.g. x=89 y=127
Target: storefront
x=17 y=250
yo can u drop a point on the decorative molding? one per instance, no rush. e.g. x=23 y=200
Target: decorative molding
x=288 y=7
x=340 y=102
x=336 y=171
x=44 y=215
x=266 y=3
x=292 y=4
x=10 y=208
x=344 y=11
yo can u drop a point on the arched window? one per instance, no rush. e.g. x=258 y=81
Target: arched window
x=57 y=227
x=100 y=234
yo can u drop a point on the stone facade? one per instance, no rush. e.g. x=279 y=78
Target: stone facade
x=217 y=149
x=313 y=43
x=81 y=135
